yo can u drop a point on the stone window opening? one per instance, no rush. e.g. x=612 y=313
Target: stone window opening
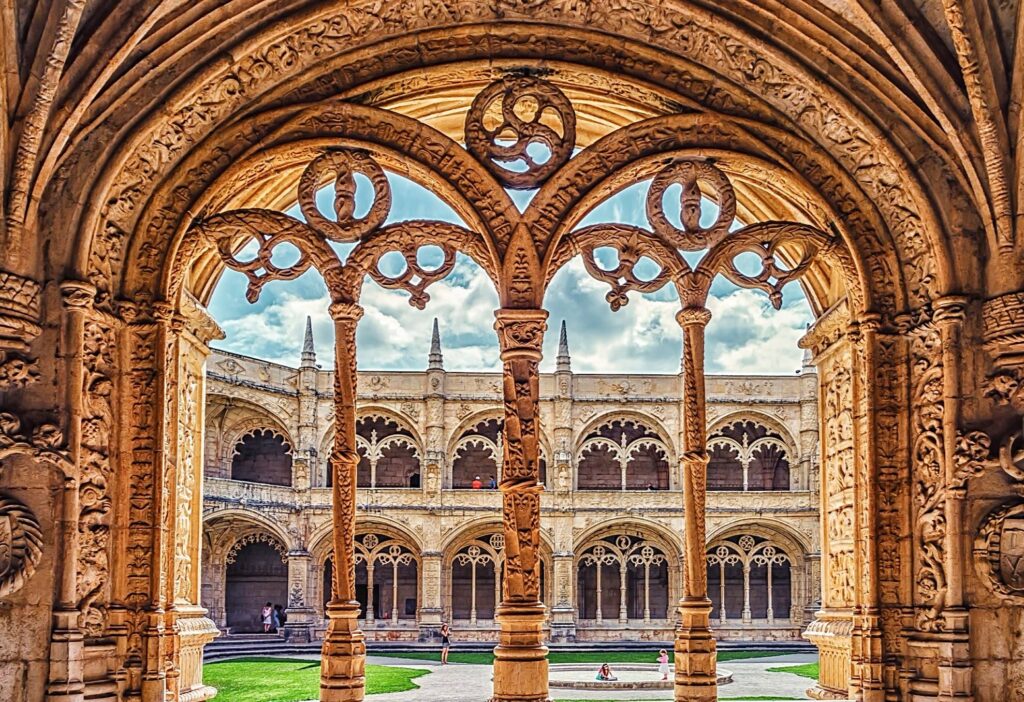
x=479 y=451
x=623 y=578
x=749 y=578
x=387 y=579
x=476 y=578
x=623 y=454
x=388 y=454
x=746 y=455
x=262 y=456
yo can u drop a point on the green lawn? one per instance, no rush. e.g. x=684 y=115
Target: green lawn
x=807 y=670
x=486 y=657
x=290 y=679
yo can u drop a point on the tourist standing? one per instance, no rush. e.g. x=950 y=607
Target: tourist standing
x=476 y=484
x=446 y=642
x=267 y=615
x=663 y=664
x=492 y=483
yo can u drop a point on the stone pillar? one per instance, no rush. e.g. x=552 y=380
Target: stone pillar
x=342 y=673
x=940 y=647
x=520 y=659
x=430 y=610
x=192 y=330
x=563 y=610
x=696 y=676
x=301 y=616
x=66 y=670
x=833 y=624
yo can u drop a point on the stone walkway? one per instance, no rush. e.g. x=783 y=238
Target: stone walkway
x=472 y=683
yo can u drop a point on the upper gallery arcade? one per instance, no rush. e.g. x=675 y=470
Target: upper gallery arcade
x=869 y=152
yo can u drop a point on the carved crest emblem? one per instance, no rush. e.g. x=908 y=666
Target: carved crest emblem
x=1011 y=553
x=21 y=545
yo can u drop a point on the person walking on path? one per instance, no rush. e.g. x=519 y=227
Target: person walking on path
x=663 y=664
x=267 y=615
x=446 y=642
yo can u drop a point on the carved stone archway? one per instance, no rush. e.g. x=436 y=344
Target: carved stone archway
x=808 y=119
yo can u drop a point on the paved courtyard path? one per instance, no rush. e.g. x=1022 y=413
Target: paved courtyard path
x=460 y=682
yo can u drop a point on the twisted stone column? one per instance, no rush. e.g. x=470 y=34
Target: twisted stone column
x=695 y=659
x=520 y=659
x=342 y=673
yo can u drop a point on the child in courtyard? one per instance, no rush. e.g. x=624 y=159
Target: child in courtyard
x=663 y=664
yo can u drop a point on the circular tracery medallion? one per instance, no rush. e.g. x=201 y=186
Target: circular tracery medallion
x=999 y=551
x=21 y=545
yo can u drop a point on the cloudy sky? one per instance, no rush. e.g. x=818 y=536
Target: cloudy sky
x=745 y=334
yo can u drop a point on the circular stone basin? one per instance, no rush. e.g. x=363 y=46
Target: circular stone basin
x=631 y=676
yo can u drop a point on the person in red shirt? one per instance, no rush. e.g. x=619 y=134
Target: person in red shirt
x=476 y=484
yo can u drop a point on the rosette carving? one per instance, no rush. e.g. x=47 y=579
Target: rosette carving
x=512 y=122
x=21 y=545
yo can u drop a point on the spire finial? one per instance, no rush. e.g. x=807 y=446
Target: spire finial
x=308 y=351
x=436 y=360
x=562 y=362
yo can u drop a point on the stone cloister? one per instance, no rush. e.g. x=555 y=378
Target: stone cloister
x=611 y=553
x=869 y=151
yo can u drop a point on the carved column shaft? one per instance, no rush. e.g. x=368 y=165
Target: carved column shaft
x=342 y=676
x=867 y=637
x=696 y=674
x=520 y=664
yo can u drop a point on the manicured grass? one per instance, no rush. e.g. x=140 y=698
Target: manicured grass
x=807 y=670
x=486 y=657
x=290 y=679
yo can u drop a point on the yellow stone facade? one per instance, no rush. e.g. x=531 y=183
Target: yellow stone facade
x=443 y=419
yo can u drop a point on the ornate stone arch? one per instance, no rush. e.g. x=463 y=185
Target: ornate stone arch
x=488 y=538
x=749 y=449
x=623 y=451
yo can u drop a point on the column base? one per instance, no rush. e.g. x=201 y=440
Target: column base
x=65 y=682
x=696 y=663
x=194 y=632
x=343 y=661
x=831 y=632
x=520 y=658
x=299 y=627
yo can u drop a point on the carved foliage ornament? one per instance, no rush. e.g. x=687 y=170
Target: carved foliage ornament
x=21 y=545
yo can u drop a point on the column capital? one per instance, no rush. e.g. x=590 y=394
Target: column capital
x=951 y=308
x=77 y=294
x=345 y=311
x=693 y=315
x=520 y=332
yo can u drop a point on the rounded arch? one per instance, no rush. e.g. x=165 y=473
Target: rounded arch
x=750 y=451
x=624 y=450
x=759 y=417
x=486 y=446
x=251 y=521
x=648 y=420
x=768 y=106
x=321 y=543
x=406 y=428
x=768 y=528
x=478 y=548
x=228 y=420
x=641 y=526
